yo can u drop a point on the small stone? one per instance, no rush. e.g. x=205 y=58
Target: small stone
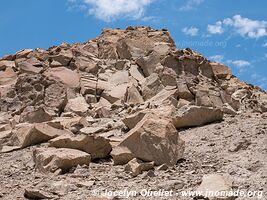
x=36 y=194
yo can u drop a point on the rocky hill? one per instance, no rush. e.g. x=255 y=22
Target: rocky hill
x=126 y=110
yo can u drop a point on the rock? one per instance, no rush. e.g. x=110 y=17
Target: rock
x=203 y=98
x=206 y=70
x=136 y=73
x=227 y=109
x=131 y=120
x=182 y=102
x=52 y=159
x=118 y=78
x=133 y=96
x=163 y=167
x=77 y=105
x=153 y=139
x=27 y=67
x=6 y=149
x=221 y=71
x=87 y=184
x=190 y=115
x=7 y=77
x=92 y=85
x=5 y=134
x=168 y=77
x=151 y=86
x=103 y=112
x=121 y=155
x=31 y=193
x=116 y=93
x=68 y=77
x=171 y=185
x=63 y=57
x=165 y=97
x=212 y=185
x=183 y=91
x=38 y=116
x=147 y=64
x=36 y=133
x=239 y=145
x=136 y=166
x=6 y=64
x=23 y=53
x=86 y=64
x=93 y=130
x=96 y=146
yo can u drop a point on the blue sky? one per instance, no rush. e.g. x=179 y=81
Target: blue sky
x=233 y=32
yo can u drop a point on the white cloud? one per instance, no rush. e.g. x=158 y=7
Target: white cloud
x=217 y=58
x=243 y=26
x=247 y=27
x=192 y=31
x=216 y=28
x=239 y=63
x=191 y=5
x=109 y=10
x=265 y=44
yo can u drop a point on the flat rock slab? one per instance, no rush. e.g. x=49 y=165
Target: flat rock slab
x=96 y=146
x=51 y=159
x=189 y=116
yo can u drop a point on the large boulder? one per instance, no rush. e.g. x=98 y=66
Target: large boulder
x=190 y=115
x=152 y=139
x=96 y=146
x=51 y=159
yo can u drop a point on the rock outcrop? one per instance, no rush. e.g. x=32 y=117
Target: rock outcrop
x=122 y=94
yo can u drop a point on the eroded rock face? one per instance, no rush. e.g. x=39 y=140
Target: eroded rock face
x=35 y=91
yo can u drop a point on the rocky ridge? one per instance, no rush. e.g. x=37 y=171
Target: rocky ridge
x=124 y=96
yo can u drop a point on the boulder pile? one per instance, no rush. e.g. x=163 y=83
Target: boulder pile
x=124 y=95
